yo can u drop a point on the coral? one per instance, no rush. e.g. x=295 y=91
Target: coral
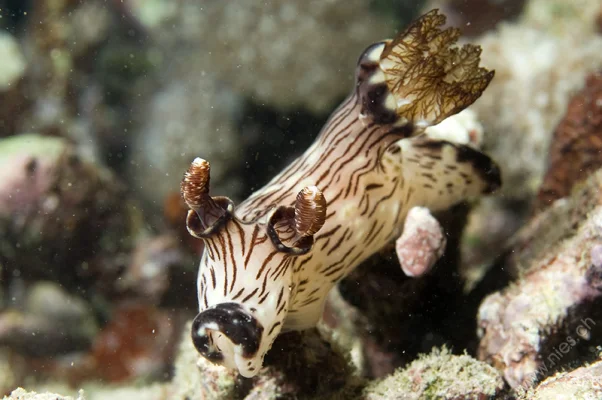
x=581 y=383
x=536 y=72
x=139 y=342
x=546 y=318
x=576 y=144
x=49 y=199
x=22 y=394
x=439 y=375
x=276 y=53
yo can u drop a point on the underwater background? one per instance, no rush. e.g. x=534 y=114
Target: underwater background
x=104 y=104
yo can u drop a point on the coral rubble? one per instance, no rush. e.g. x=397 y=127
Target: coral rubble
x=528 y=98
x=49 y=199
x=550 y=314
x=581 y=383
x=439 y=375
x=576 y=145
x=22 y=394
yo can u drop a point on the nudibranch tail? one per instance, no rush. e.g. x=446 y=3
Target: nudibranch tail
x=430 y=79
x=442 y=173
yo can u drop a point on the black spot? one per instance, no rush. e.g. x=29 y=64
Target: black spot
x=483 y=165
x=373 y=102
x=31 y=167
x=240 y=327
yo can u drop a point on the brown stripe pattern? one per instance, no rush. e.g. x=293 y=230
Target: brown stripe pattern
x=371 y=164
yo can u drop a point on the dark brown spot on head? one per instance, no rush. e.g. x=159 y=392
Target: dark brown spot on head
x=231 y=320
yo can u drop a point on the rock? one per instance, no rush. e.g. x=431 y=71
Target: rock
x=576 y=147
x=61 y=217
x=551 y=313
x=439 y=375
x=536 y=71
x=195 y=377
x=22 y=394
x=581 y=383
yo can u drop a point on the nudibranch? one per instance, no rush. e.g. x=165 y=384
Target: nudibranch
x=269 y=262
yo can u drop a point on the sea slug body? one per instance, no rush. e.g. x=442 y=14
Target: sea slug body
x=269 y=262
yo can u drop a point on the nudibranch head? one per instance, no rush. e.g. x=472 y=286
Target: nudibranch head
x=245 y=281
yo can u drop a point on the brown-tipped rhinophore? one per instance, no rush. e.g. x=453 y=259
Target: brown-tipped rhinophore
x=310 y=211
x=195 y=184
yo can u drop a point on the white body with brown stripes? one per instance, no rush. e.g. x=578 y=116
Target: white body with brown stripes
x=269 y=263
